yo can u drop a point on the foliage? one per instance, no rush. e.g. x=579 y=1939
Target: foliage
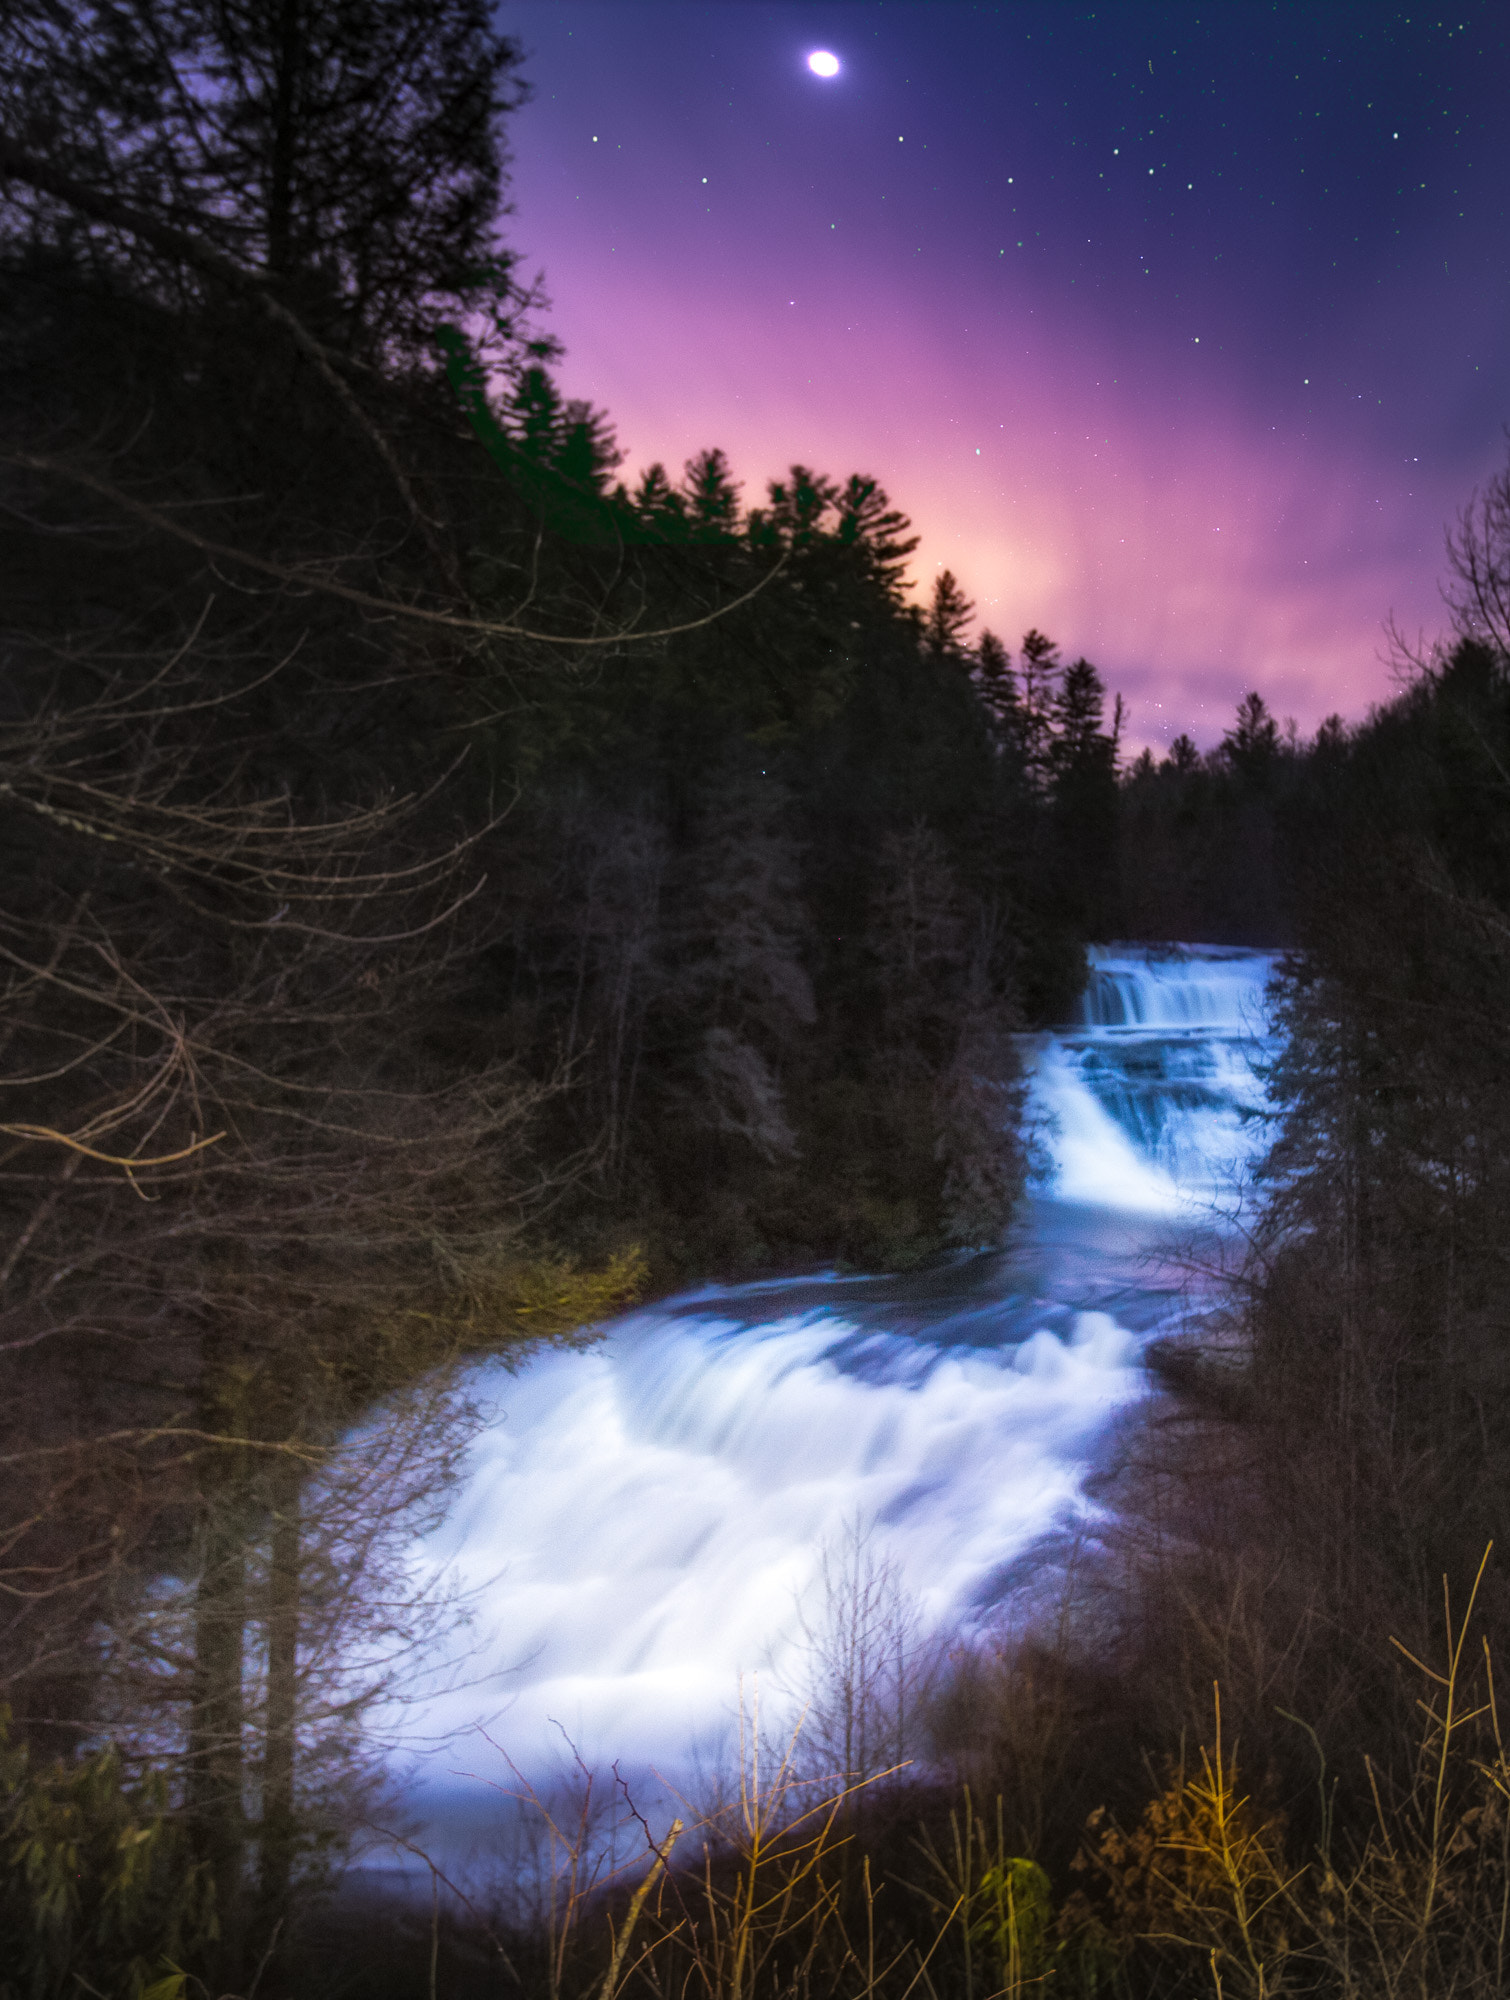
x=353 y=152
x=1000 y=1935
x=100 y=1884
x=1204 y=1873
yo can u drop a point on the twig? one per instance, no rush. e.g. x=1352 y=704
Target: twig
x=632 y=1915
x=387 y=607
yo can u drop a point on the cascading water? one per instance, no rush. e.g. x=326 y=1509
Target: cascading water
x=637 y=1524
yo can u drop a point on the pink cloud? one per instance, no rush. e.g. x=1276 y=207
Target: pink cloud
x=1132 y=495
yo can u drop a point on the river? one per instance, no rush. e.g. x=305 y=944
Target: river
x=638 y=1525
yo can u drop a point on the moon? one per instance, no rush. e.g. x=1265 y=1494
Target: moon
x=823 y=62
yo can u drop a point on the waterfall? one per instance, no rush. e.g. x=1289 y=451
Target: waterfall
x=1150 y=1094
x=638 y=1523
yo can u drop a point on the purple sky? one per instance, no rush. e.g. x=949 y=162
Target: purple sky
x=1179 y=331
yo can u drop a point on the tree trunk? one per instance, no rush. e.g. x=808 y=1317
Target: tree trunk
x=216 y=1756
x=280 y=192
x=279 y=1827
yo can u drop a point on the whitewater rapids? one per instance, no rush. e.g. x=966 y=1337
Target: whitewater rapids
x=636 y=1525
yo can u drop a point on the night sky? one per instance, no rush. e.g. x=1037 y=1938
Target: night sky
x=1181 y=332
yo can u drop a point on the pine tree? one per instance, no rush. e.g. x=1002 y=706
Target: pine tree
x=658 y=504
x=1079 y=708
x=535 y=416
x=1251 y=746
x=353 y=154
x=949 y=613
x=588 y=451
x=997 y=687
x=1083 y=794
x=867 y=522
x=711 y=496
x=1038 y=684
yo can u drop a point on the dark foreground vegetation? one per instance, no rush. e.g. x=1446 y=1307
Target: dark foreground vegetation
x=446 y=892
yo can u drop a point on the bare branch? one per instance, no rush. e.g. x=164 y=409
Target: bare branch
x=310 y=580
x=45 y=1132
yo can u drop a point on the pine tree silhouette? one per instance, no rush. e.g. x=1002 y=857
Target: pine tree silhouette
x=944 y=625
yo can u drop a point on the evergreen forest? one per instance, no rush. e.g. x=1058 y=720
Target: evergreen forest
x=451 y=893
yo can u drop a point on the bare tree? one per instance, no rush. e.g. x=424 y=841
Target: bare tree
x=865 y=1664
x=251 y=1184
x=1478 y=557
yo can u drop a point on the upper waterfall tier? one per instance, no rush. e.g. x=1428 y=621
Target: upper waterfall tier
x=1207 y=989
x=1152 y=1102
